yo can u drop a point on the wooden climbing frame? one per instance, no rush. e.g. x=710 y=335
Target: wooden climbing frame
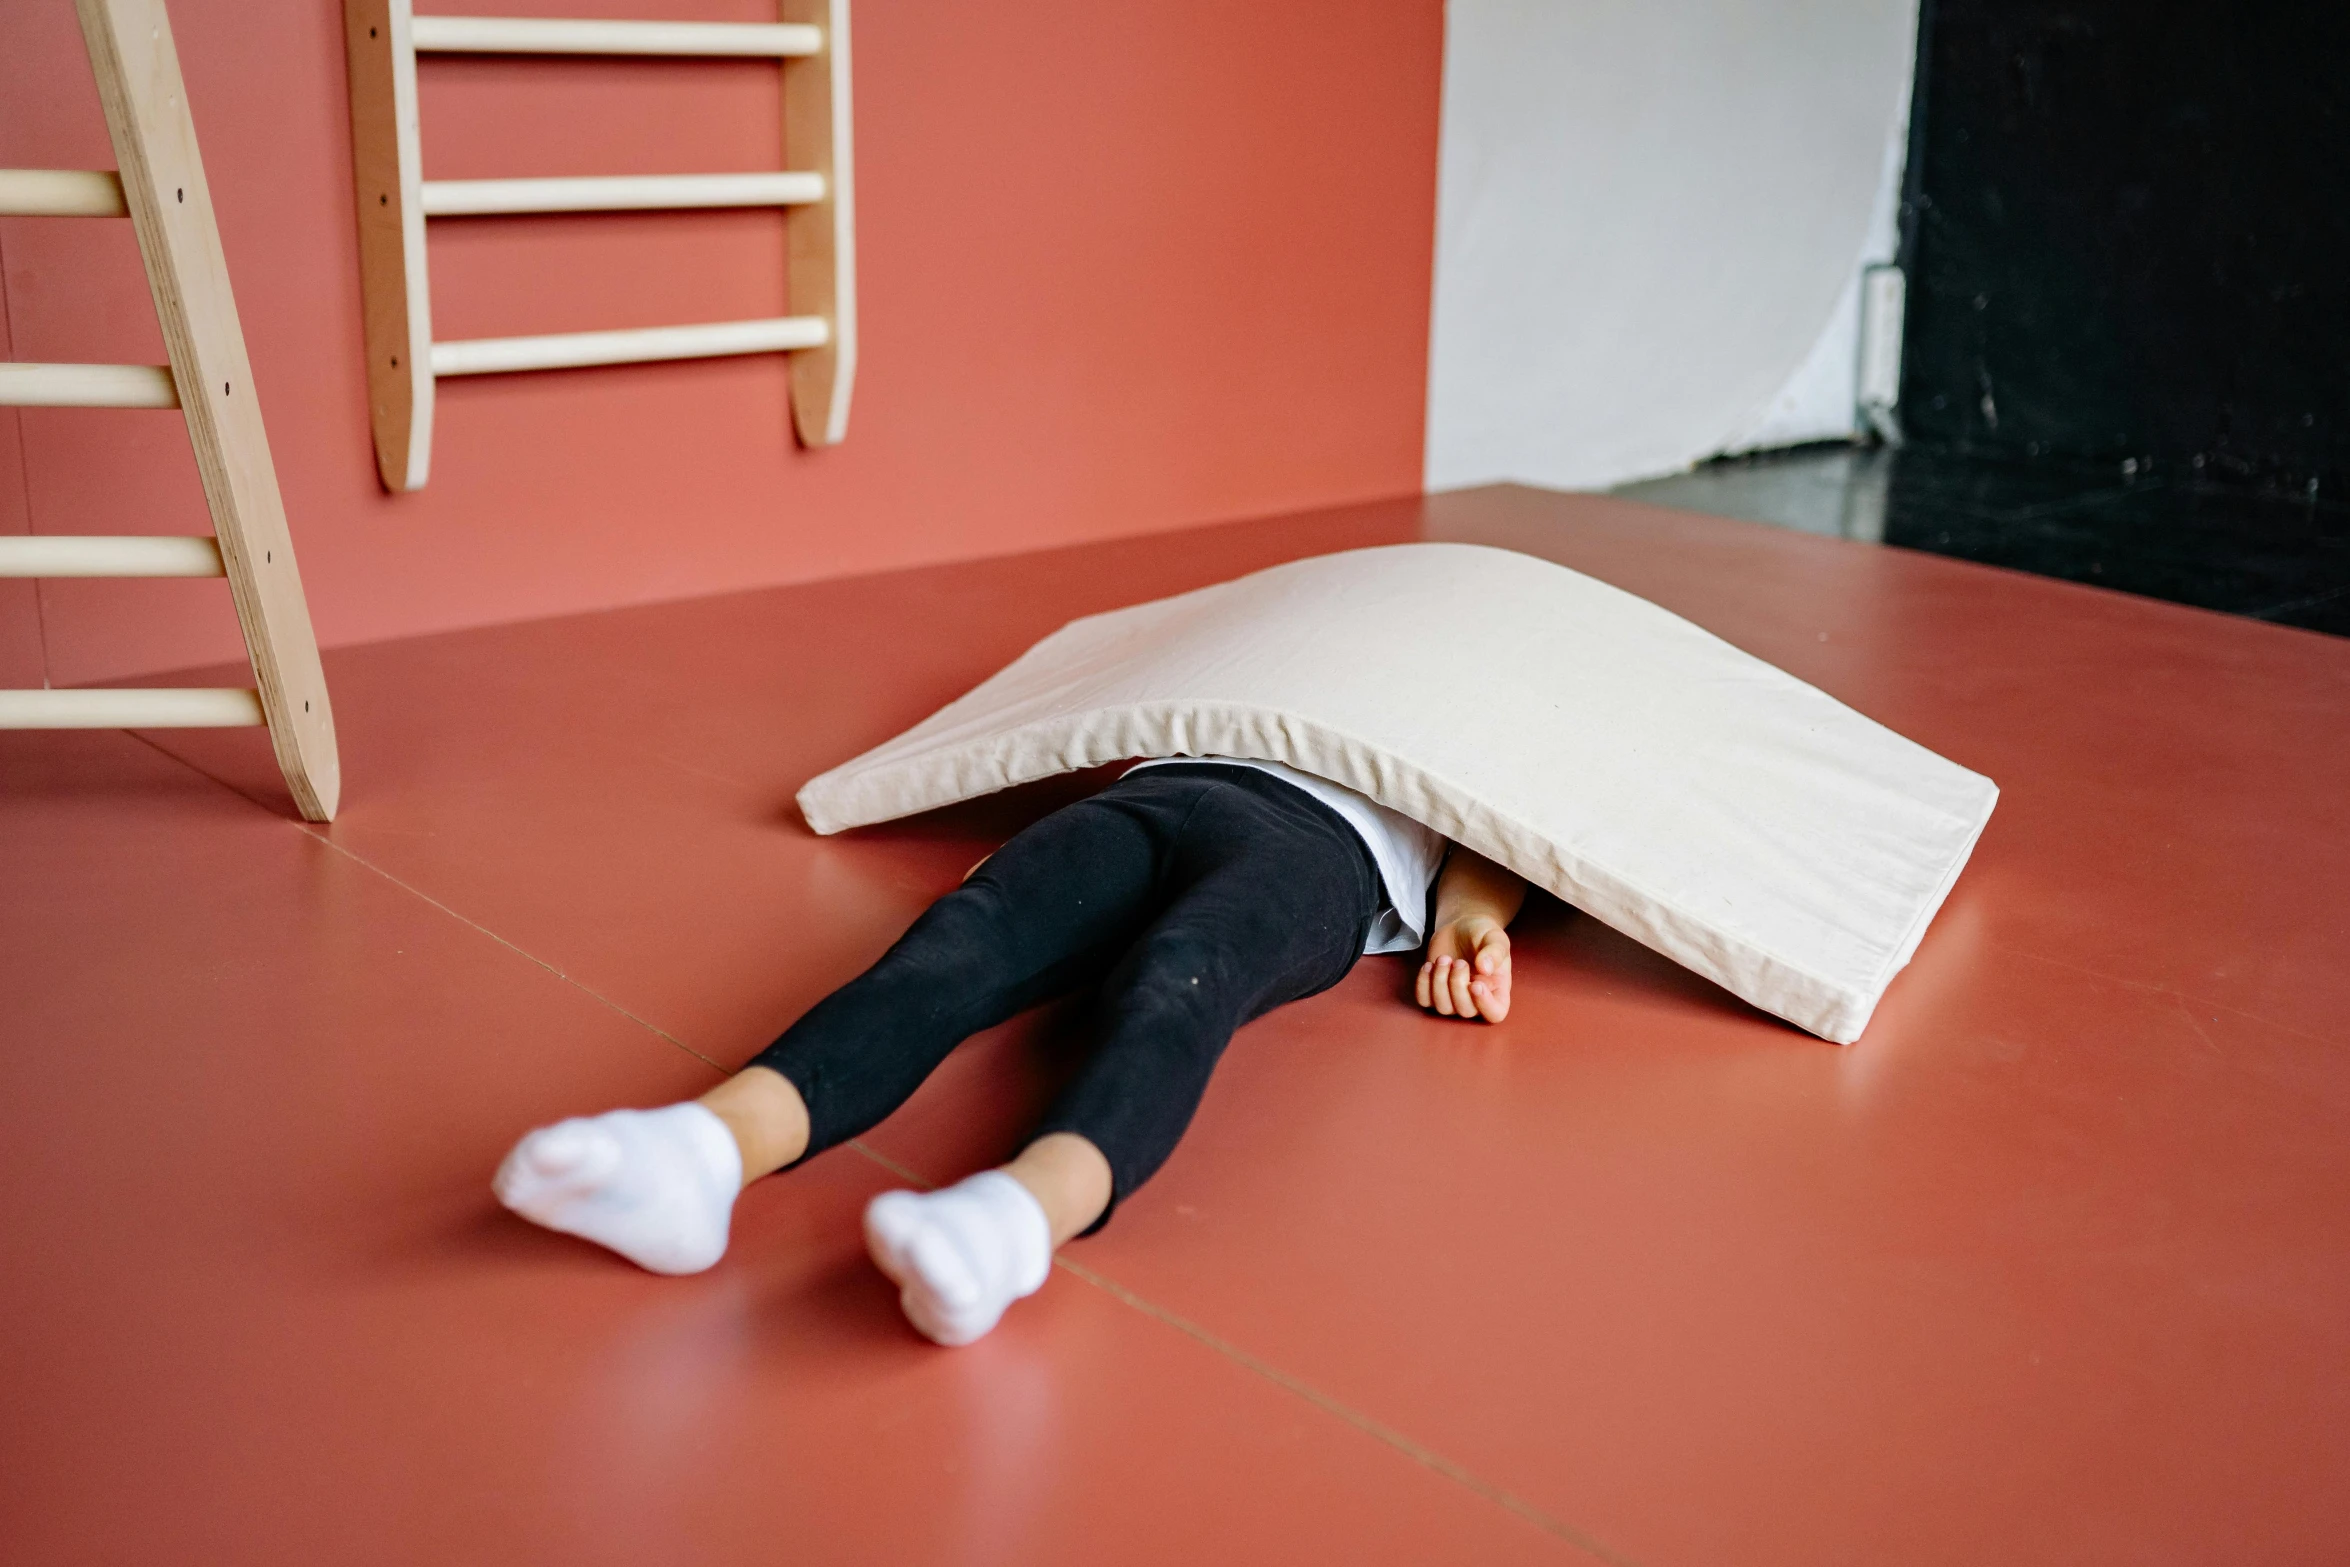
x=159 y=185
x=811 y=42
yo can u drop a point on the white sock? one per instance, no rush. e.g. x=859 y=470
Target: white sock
x=961 y=1255
x=657 y=1186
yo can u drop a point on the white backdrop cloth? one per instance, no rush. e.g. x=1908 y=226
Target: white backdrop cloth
x=1701 y=801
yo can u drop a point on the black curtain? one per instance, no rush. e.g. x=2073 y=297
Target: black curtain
x=2127 y=234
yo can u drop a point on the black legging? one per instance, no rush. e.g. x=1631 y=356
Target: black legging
x=1198 y=896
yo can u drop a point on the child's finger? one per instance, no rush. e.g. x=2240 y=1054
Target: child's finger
x=1493 y=951
x=1462 y=974
x=1420 y=986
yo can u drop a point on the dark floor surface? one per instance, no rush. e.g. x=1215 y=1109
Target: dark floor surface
x=2273 y=558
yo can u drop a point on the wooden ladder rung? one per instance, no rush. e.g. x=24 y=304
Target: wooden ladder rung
x=118 y=555
x=163 y=707
x=533 y=35
x=570 y=350
x=626 y=193
x=87 y=386
x=61 y=193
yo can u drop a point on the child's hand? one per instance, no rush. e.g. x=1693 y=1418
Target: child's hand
x=1467 y=972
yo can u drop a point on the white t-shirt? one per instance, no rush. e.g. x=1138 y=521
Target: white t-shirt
x=1408 y=855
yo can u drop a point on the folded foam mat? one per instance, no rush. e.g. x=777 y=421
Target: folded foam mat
x=1701 y=801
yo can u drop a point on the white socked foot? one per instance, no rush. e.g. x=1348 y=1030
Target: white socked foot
x=656 y=1186
x=961 y=1255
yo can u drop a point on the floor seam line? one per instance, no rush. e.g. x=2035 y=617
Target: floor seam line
x=314 y=832
x=891 y=1165
x=1425 y=1456
x=2165 y=990
x=519 y=951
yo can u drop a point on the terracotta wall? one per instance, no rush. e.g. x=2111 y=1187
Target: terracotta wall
x=1124 y=267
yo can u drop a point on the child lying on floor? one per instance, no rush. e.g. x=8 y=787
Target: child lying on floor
x=1195 y=894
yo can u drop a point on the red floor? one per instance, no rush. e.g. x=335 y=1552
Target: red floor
x=2053 y=1266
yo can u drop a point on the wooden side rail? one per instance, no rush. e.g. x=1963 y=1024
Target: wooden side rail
x=61 y=193
x=822 y=236
x=132 y=555
x=811 y=43
x=533 y=35
x=163 y=707
x=87 y=386
x=626 y=193
x=161 y=173
x=572 y=350
x=395 y=299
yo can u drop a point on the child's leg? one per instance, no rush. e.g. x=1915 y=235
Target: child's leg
x=767 y=1116
x=1261 y=932
x=1046 y=914
x=1277 y=896
x=769 y=1121
x=961 y=1255
x=1070 y=1180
